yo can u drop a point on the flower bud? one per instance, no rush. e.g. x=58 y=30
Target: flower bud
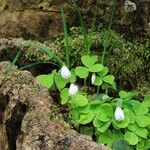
x=93 y=78
x=73 y=89
x=65 y=73
x=119 y=114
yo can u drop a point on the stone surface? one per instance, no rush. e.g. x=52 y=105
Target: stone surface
x=41 y=19
x=29 y=119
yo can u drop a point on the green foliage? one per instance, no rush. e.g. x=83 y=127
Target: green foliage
x=45 y=80
x=121 y=145
x=129 y=62
x=99 y=113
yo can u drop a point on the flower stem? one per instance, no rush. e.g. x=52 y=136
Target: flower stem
x=98 y=88
x=85 y=85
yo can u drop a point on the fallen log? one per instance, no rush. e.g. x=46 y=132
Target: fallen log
x=29 y=119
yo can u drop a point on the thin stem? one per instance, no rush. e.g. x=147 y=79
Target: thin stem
x=106 y=91
x=85 y=85
x=98 y=88
x=106 y=43
x=103 y=55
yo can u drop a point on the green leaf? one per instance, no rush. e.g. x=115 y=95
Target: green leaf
x=94 y=106
x=82 y=72
x=131 y=117
x=142 y=132
x=72 y=79
x=133 y=127
x=98 y=81
x=103 y=72
x=78 y=101
x=74 y=115
x=117 y=134
x=121 y=124
x=86 y=130
x=97 y=122
x=139 y=108
x=96 y=68
x=146 y=101
x=121 y=145
x=89 y=61
x=102 y=116
x=84 y=109
x=107 y=110
x=109 y=79
x=105 y=138
x=140 y=145
x=45 y=80
x=131 y=137
x=127 y=95
x=104 y=127
x=147 y=144
x=86 y=118
x=143 y=120
x=60 y=82
x=64 y=96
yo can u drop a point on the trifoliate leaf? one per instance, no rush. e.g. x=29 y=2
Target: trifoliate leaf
x=103 y=72
x=89 y=61
x=109 y=79
x=139 y=108
x=143 y=120
x=82 y=72
x=127 y=95
x=98 y=81
x=96 y=68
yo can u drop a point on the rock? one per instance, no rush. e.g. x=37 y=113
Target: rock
x=29 y=119
x=41 y=19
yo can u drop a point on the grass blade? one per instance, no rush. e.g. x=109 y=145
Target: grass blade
x=65 y=38
x=85 y=37
x=37 y=63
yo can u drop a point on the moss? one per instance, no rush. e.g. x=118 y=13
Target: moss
x=129 y=62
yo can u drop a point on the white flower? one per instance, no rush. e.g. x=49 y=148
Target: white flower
x=65 y=73
x=73 y=89
x=119 y=114
x=93 y=78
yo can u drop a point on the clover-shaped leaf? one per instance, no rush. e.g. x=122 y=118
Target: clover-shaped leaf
x=89 y=61
x=82 y=72
x=45 y=80
x=109 y=79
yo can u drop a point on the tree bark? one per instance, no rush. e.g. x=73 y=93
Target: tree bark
x=29 y=119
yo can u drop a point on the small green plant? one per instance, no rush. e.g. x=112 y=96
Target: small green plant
x=114 y=121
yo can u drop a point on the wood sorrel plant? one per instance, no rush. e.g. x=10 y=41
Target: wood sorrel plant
x=131 y=123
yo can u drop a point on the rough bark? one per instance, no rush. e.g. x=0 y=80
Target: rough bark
x=29 y=119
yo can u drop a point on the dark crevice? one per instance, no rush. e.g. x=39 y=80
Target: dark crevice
x=12 y=124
